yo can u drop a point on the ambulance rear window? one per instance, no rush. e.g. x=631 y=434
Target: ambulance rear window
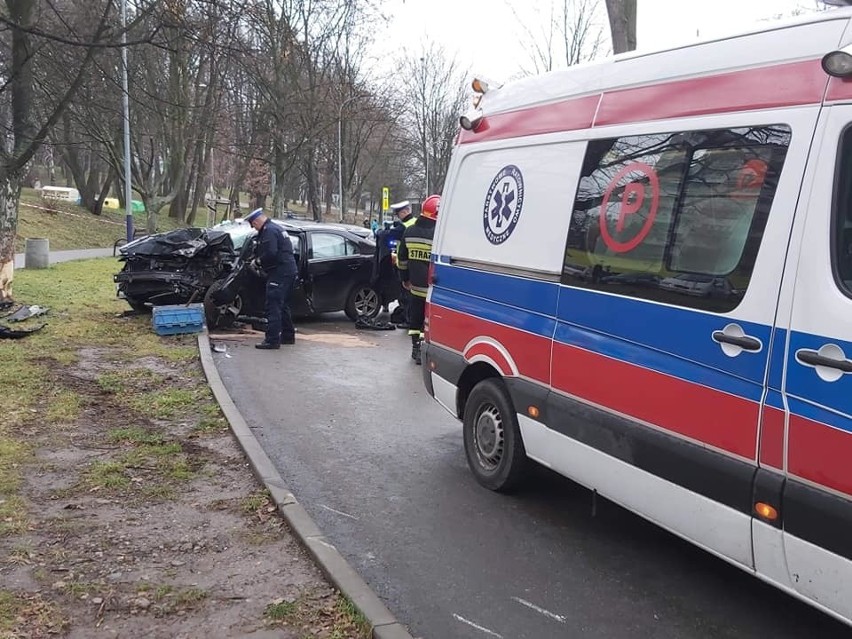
x=675 y=217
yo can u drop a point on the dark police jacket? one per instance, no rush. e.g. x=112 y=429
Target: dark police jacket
x=414 y=255
x=275 y=251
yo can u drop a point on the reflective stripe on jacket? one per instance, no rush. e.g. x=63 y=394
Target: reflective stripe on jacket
x=415 y=253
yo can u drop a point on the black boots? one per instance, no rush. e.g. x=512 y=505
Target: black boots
x=415 y=349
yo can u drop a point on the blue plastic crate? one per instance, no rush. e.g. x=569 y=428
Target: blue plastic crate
x=178 y=318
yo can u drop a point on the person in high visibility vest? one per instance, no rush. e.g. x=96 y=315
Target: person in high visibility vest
x=415 y=254
x=404 y=220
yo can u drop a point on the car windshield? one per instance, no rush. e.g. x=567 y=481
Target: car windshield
x=239 y=232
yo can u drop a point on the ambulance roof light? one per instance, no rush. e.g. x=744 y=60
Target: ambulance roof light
x=838 y=63
x=479 y=85
x=470 y=120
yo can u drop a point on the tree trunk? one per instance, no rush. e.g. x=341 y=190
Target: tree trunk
x=99 y=205
x=279 y=188
x=10 y=193
x=150 y=213
x=198 y=189
x=313 y=196
x=622 y=24
x=93 y=184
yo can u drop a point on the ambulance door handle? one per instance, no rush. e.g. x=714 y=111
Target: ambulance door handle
x=734 y=341
x=829 y=362
x=745 y=343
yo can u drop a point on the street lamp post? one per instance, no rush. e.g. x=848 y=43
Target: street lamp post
x=128 y=188
x=342 y=203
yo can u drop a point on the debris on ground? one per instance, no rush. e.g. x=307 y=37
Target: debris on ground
x=19 y=314
x=372 y=324
x=26 y=312
x=12 y=333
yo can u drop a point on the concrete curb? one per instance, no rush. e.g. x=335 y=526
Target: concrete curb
x=327 y=557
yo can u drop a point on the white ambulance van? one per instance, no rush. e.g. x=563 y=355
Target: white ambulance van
x=642 y=279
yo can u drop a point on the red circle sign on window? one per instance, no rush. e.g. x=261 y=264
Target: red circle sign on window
x=632 y=201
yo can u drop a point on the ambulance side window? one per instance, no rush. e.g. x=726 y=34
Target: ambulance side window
x=675 y=217
x=842 y=249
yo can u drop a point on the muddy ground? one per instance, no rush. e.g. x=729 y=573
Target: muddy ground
x=141 y=518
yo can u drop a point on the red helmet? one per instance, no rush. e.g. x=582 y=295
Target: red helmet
x=429 y=208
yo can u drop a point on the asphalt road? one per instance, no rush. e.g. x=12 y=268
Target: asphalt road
x=344 y=416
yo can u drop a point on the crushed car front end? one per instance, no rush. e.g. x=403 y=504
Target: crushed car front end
x=172 y=268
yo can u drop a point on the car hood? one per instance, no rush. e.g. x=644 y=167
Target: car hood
x=184 y=243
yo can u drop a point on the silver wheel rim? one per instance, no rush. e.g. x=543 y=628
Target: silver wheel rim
x=366 y=301
x=235 y=307
x=488 y=437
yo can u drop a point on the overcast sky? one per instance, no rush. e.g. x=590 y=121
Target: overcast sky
x=487 y=38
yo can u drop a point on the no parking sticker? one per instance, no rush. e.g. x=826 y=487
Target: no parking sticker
x=632 y=201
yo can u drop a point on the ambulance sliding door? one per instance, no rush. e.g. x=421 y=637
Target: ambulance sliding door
x=666 y=317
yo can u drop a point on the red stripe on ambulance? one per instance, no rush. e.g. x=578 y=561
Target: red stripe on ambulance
x=628 y=389
x=778 y=86
x=820 y=454
x=783 y=85
x=772 y=438
x=724 y=421
x=456 y=330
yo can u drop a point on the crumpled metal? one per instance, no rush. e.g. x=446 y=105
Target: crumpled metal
x=10 y=333
x=26 y=312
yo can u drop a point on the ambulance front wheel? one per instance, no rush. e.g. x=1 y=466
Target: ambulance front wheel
x=492 y=440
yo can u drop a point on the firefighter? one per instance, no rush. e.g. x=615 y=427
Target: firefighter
x=415 y=254
x=404 y=220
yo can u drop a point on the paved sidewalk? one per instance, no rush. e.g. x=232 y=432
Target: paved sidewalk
x=67 y=256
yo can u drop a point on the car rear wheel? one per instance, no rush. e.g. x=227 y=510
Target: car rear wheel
x=220 y=315
x=492 y=440
x=363 y=301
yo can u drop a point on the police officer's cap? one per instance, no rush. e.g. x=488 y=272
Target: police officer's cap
x=251 y=217
x=405 y=204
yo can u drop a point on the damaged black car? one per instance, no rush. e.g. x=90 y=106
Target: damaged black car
x=335 y=272
x=173 y=268
x=217 y=266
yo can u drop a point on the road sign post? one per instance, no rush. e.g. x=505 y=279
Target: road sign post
x=385 y=200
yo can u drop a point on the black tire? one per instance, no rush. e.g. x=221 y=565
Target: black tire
x=363 y=301
x=492 y=440
x=137 y=306
x=218 y=316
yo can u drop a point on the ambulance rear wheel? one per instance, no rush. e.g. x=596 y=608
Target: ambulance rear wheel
x=492 y=440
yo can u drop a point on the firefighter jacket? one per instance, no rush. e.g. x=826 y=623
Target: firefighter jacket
x=415 y=253
x=400 y=226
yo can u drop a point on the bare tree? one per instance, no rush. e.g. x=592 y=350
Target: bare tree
x=27 y=42
x=568 y=34
x=438 y=94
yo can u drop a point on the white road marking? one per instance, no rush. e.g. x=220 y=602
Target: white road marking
x=540 y=610
x=477 y=626
x=339 y=512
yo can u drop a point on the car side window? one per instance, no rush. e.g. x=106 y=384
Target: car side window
x=328 y=245
x=842 y=227
x=296 y=241
x=675 y=217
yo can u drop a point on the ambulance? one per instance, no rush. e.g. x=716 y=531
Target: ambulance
x=642 y=279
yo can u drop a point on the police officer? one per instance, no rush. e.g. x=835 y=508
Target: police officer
x=275 y=254
x=404 y=221
x=415 y=253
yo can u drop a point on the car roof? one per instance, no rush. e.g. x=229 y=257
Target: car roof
x=310 y=225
